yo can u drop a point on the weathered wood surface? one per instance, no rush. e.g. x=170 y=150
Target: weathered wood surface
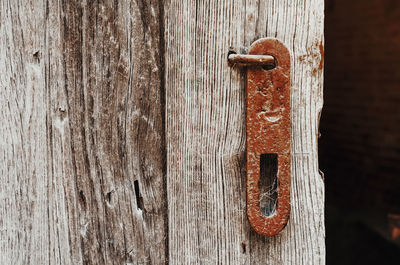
x=85 y=153
x=82 y=138
x=205 y=106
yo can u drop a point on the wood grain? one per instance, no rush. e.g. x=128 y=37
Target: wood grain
x=82 y=133
x=205 y=118
x=92 y=127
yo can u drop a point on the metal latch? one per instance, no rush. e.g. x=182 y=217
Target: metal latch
x=268 y=128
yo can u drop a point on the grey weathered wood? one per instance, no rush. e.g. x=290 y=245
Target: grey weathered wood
x=83 y=141
x=205 y=118
x=81 y=122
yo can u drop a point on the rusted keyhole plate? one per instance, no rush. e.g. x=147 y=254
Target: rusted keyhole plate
x=268 y=132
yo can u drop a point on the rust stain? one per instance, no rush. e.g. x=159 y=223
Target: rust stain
x=322 y=52
x=268 y=131
x=314 y=72
x=251 y=18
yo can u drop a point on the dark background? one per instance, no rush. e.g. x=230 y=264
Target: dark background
x=360 y=131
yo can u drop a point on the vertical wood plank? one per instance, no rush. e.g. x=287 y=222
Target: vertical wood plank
x=205 y=117
x=82 y=133
x=23 y=149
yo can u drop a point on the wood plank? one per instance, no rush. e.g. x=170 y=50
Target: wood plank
x=205 y=118
x=82 y=133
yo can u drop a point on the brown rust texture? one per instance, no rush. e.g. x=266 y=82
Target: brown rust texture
x=268 y=131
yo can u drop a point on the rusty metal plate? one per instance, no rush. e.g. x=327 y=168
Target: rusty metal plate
x=268 y=132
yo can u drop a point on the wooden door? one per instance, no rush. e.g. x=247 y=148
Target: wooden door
x=123 y=132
